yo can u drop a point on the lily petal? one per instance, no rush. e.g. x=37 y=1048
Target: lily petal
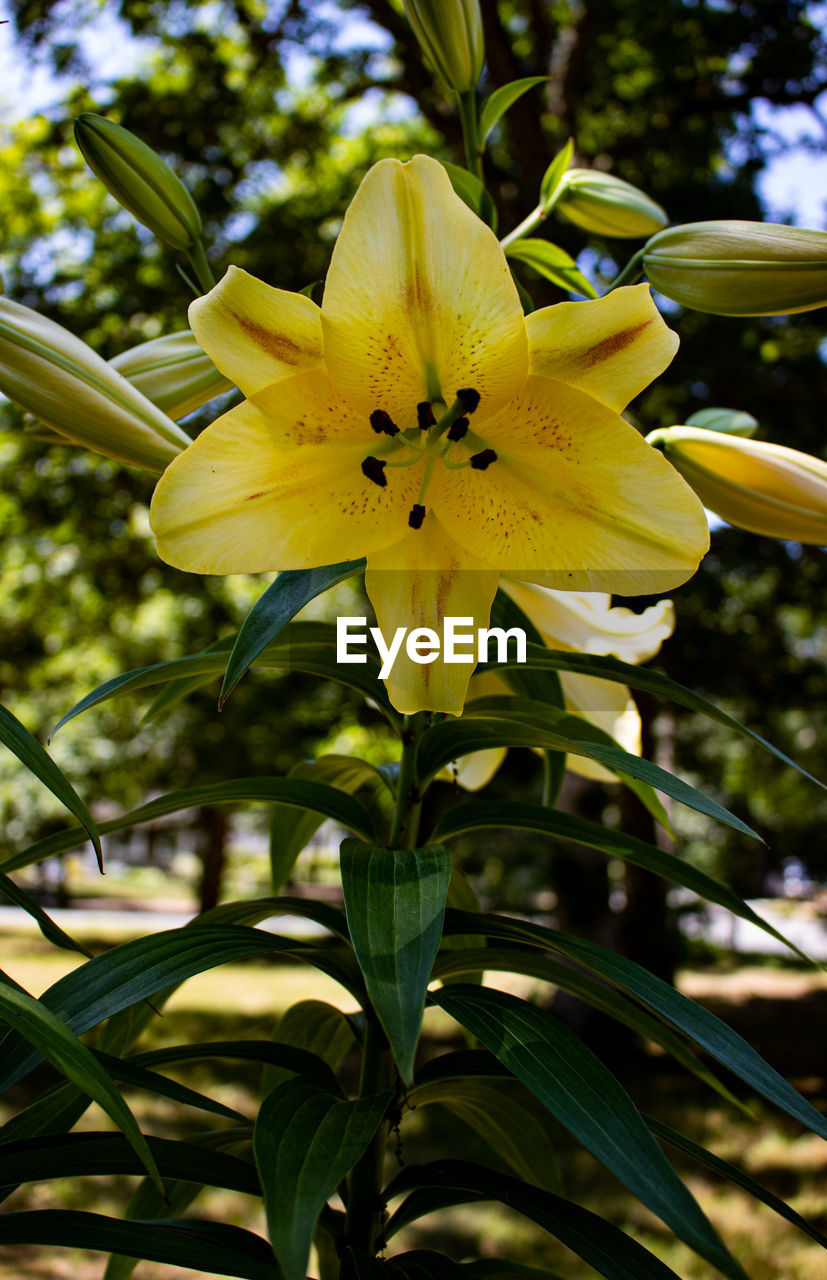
x=420 y=581
x=256 y=334
x=611 y=708
x=584 y=621
x=575 y=500
x=612 y=347
x=236 y=502
x=419 y=301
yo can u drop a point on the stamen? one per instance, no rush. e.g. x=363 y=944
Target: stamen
x=382 y=423
x=481 y=461
x=374 y=469
x=425 y=415
x=458 y=429
x=417 y=516
x=468 y=398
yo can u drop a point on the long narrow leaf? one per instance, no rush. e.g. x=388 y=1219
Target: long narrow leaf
x=299 y=793
x=43 y=1029
x=30 y=753
x=495 y=107
x=203 y=1246
x=677 y=1010
x=571 y=1081
x=612 y=1253
x=282 y=600
x=539 y=658
x=487 y=814
x=51 y=932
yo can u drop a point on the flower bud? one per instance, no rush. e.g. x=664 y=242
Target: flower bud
x=450 y=35
x=765 y=488
x=173 y=372
x=62 y=381
x=739 y=268
x=607 y=205
x=139 y=180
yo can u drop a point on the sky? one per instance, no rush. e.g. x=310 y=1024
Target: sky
x=794 y=185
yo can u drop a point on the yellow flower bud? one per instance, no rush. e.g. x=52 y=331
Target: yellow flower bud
x=173 y=372
x=62 y=381
x=607 y=205
x=450 y=35
x=739 y=268
x=139 y=180
x=765 y=488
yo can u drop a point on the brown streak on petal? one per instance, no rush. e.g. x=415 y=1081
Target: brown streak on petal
x=250 y=496
x=276 y=344
x=611 y=346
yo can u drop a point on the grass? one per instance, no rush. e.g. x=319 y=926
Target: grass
x=245 y=1000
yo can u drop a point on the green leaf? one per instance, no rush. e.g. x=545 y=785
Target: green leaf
x=289 y=1056
x=514 y=814
x=177 y=690
x=40 y=1027
x=303 y=646
x=496 y=1115
x=551 y=262
x=537 y=964
x=495 y=107
x=736 y=1176
x=137 y=969
x=298 y=793
x=603 y=1246
x=473 y=193
x=678 y=1010
x=516 y=722
x=204 y=1246
x=539 y=658
x=317 y=1030
x=305 y=1141
x=30 y=753
x=131 y=1073
x=290 y=829
x=51 y=931
x=553 y=175
x=395 y=901
x=147 y=1203
x=86 y=1155
x=573 y=1084
x=282 y=600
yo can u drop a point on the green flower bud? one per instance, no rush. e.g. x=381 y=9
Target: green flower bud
x=450 y=35
x=139 y=180
x=739 y=268
x=607 y=205
x=765 y=488
x=62 y=381
x=173 y=372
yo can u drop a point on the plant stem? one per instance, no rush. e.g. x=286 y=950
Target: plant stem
x=364 y=1211
x=197 y=259
x=470 y=132
x=533 y=220
x=630 y=274
x=405 y=824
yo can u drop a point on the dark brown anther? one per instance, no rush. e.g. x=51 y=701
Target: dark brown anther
x=458 y=429
x=417 y=515
x=383 y=424
x=468 y=398
x=481 y=461
x=374 y=469
x=425 y=415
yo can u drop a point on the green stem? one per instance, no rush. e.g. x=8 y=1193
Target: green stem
x=470 y=132
x=405 y=825
x=533 y=220
x=364 y=1211
x=630 y=274
x=197 y=259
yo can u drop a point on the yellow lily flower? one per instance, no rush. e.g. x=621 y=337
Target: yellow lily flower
x=762 y=487
x=418 y=418
x=583 y=622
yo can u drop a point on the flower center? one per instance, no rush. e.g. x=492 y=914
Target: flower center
x=430 y=439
